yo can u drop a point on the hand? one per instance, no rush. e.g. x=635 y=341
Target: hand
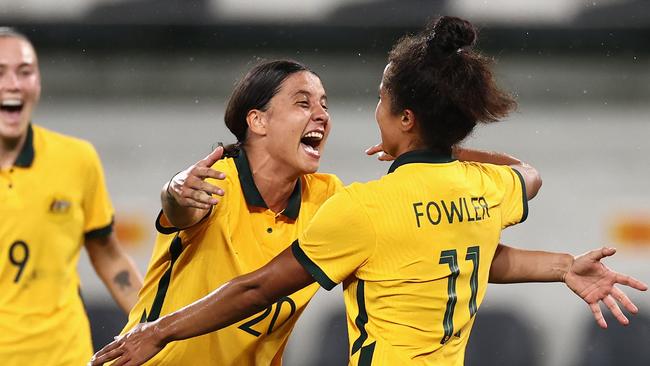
x=379 y=149
x=189 y=188
x=594 y=282
x=133 y=348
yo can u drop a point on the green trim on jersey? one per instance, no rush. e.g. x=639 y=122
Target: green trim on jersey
x=360 y=321
x=420 y=156
x=26 y=155
x=175 y=250
x=365 y=358
x=311 y=267
x=101 y=232
x=252 y=194
x=524 y=197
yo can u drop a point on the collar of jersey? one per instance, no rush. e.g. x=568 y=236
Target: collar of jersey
x=26 y=156
x=420 y=156
x=252 y=194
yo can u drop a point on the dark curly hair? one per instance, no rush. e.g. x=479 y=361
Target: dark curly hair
x=448 y=86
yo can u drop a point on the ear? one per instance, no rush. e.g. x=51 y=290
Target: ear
x=256 y=122
x=407 y=120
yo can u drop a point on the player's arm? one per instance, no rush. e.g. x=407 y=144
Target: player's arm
x=585 y=275
x=232 y=302
x=532 y=178
x=187 y=197
x=116 y=269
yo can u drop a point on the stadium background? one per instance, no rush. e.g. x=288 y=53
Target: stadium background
x=146 y=81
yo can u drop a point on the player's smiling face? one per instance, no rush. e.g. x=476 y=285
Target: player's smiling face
x=297 y=122
x=20 y=86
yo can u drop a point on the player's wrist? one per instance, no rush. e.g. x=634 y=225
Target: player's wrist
x=162 y=331
x=565 y=263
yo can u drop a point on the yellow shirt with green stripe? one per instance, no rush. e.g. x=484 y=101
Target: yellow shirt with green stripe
x=51 y=200
x=239 y=236
x=413 y=251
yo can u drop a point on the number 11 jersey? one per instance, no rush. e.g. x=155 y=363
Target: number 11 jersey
x=413 y=250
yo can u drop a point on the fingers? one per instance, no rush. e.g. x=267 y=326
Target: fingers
x=212 y=158
x=374 y=149
x=202 y=172
x=381 y=154
x=616 y=311
x=109 y=352
x=122 y=361
x=631 y=282
x=598 y=315
x=598 y=254
x=624 y=300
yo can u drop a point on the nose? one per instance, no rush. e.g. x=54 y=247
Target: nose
x=9 y=81
x=320 y=114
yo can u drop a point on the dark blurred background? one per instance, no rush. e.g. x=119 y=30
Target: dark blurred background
x=146 y=81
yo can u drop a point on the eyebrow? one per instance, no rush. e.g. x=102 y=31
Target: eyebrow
x=308 y=94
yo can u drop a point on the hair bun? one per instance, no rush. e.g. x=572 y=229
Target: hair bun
x=448 y=34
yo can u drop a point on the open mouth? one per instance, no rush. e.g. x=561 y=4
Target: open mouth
x=11 y=106
x=311 y=142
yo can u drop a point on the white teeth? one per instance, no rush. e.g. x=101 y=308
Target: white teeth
x=12 y=103
x=310 y=149
x=314 y=134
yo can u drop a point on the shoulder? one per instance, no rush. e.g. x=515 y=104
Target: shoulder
x=69 y=147
x=492 y=171
x=321 y=184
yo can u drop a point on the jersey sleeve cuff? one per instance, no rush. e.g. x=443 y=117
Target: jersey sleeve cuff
x=101 y=232
x=164 y=229
x=311 y=267
x=524 y=196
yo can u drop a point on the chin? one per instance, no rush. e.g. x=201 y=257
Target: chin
x=310 y=168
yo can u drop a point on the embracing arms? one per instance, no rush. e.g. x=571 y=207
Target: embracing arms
x=230 y=303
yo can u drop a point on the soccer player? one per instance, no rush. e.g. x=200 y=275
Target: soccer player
x=268 y=191
x=416 y=248
x=182 y=257
x=53 y=200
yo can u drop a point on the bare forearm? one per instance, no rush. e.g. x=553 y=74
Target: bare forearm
x=179 y=216
x=512 y=265
x=124 y=285
x=237 y=299
x=232 y=302
x=116 y=269
x=532 y=178
x=480 y=156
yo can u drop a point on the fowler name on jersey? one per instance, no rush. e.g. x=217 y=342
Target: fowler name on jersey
x=453 y=212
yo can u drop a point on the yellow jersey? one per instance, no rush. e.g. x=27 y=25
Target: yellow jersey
x=50 y=200
x=238 y=236
x=413 y=251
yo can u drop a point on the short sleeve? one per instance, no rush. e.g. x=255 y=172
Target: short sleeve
x=339 y=240
x=514 y=203
x=97 y=207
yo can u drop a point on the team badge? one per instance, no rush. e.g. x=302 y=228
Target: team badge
x=59 y=206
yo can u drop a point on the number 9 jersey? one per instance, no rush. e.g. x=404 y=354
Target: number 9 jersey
x=50 y=201
x=413 y=250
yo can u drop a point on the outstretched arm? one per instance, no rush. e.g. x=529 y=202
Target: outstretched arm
x=187 y=197
x=585 y=275
x=232 y=302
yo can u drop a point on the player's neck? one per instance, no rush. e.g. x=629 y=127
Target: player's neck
x=10 y=149
x=275 y=185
